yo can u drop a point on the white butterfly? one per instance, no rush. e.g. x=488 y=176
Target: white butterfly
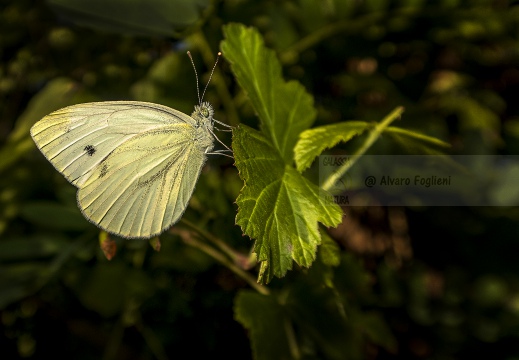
x=135 y=164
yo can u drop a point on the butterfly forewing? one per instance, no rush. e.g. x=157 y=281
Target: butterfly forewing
x=77 y=138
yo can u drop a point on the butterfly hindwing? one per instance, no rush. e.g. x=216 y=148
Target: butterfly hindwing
x=144 y=186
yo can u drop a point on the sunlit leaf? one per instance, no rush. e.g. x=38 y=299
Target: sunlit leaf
x=329 y=251
x=277 y=206
x=314 y=141
x=284 y=108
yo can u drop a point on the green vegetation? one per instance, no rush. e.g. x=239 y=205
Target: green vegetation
x=264 y=264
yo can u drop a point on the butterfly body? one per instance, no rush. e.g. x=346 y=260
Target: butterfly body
x=135 y=164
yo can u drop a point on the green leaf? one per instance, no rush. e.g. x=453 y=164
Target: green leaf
x=314 y=141
x=329 y=251
x=323 y=319
x=377 y=330
x=102 y=290
x=472 y=113
x=278 y=206
x=19 y=280
x=54 y=215
x=334 y=317
x=23 y=248
x=263 y=317
x=504 y=190
x=166 y=70
x=131 y=17
x=284 y=108
x=109 y=286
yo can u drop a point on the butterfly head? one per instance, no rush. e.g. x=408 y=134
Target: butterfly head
x=203 y=113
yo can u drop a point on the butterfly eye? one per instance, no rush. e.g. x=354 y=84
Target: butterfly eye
x=205 y=113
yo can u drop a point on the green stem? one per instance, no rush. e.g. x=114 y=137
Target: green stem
x=348 y=26
x=245 y=262
x=291 y=339
x=289 y=329
x=152 y=341
x=114 y=341
x=373 y=136
x=189 y=239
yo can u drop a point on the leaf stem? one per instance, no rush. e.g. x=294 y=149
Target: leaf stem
x=152 y=340
x=373 y=136
x=114 y=340
x=245 y=262
x=188 y=238
x=418 y=136
x=291 y=339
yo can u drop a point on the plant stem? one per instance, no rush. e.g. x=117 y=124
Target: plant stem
x=152 y=341
x=291 y=339
x=114 y=340
x=243 y=261
x=189 y=239
x=373 y=136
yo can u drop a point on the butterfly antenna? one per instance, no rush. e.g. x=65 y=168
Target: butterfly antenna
x=212 y=71
x=196 y=75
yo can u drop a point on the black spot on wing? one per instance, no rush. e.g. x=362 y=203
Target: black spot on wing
x=104 y=170
x=90 y=150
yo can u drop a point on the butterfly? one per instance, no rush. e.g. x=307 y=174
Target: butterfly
x=135 y=164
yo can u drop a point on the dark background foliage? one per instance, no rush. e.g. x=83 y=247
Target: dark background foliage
x=442 y=281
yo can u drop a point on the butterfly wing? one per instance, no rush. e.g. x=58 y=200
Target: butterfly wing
x=135 y=164
x=77 y=138
x=144 y=186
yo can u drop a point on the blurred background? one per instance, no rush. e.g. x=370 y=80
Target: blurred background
x=420 y=283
